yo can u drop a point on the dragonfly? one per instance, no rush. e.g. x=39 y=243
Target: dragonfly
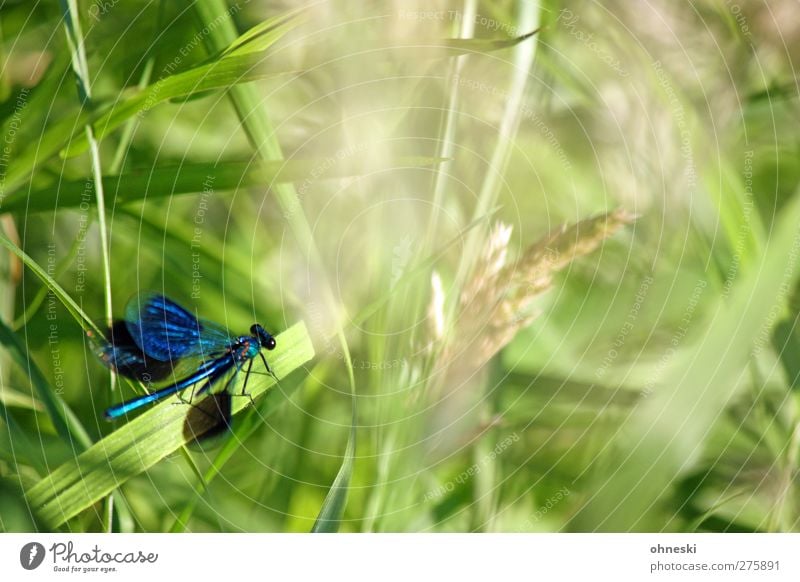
x=160 y=341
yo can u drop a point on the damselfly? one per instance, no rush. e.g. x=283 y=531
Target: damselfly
x=160 y=341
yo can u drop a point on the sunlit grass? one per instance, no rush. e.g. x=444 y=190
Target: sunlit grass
x=550 y=279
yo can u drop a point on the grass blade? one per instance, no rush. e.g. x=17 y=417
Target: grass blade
x=80 y=316
x=166 y=181
x=264 y=35
x=66 y=423
x=75 y=41
x=330 y=514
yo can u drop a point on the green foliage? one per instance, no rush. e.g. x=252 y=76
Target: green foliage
x=416 y=188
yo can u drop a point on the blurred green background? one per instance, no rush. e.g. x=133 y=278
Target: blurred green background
x=641 y=378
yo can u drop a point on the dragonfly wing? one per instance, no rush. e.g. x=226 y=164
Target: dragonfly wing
x=166 y=331
x=120 y=353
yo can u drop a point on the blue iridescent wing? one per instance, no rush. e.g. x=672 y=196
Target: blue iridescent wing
x=164 y=330
x=120 y=353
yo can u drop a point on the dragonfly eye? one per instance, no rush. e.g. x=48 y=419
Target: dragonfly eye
x=264 y=338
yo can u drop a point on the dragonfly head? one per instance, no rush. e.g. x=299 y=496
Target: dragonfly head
x=264 y=338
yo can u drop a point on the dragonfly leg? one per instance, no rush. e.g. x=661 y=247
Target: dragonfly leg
x=206 y=386
x=244 y=386
x=182 y=400
x=190 y=400
x=266 y=365
x=246 y=378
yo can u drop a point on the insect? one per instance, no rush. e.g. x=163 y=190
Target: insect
x=160 y=340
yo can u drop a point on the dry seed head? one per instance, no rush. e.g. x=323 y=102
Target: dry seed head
x=489 y=266
x=497 y=300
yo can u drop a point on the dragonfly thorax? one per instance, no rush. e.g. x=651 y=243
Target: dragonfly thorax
x=246 y=348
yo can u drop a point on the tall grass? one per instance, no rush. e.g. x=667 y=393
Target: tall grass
x=550 y=278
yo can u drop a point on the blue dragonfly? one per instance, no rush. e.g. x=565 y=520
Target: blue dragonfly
x=158 y=341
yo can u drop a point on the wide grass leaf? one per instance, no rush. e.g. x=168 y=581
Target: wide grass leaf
x=143 y=442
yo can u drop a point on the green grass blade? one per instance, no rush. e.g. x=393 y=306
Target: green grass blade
x=221 y=74
x=523 y=59
x=32 y=307
x=142 y=442
x=16 y=447
x=66 y=423
x=412 y=50
x=167 y=181
x=53 y=139
x=330 y=514
x=240 y=62
x=264 y=35
x=80 y=316
x=75 y=41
